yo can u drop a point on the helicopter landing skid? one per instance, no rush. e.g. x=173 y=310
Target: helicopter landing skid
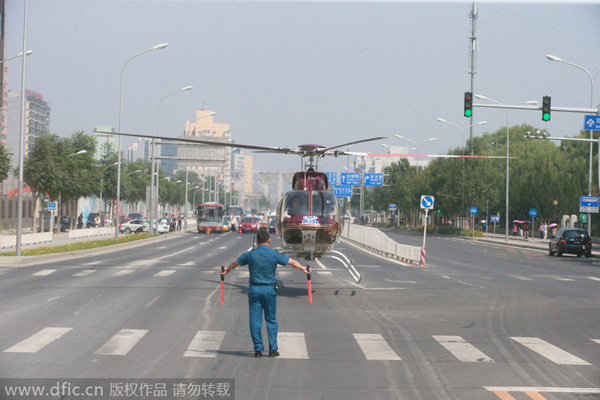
x=357 y=276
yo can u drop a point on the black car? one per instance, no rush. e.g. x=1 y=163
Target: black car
x=571 y=240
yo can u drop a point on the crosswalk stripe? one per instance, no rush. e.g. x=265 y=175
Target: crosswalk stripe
x=38 y=340
x=243 y=274
x=550 y=351
x=121 y=343
x=44 y=272
x=593 y=278
x=123 y=272
x=462 y=350
x=205 y=344
x=375 y=347
x=596 y=340
x=85 y=272
x=292 y=345
x=164 y=273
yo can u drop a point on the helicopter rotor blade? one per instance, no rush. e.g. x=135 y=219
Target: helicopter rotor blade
x=326 y=149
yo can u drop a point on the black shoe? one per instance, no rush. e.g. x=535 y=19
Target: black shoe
x=258 y=354
x=274 y=353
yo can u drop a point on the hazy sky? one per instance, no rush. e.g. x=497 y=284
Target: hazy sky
x=285 y=73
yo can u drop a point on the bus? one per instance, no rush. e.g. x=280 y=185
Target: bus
x=235 y=211
x=210 y=217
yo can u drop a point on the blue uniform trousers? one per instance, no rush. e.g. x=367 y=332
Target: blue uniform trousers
x=263 y=298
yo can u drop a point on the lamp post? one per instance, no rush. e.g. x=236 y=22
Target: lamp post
x=27 y=53
x=22 y=138
x=118 y=211
x=153 y=156
x=462 y=131
x=507 y=155
x=592 y=79
x=417 y=145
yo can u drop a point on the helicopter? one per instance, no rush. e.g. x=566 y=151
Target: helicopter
x=308 y=216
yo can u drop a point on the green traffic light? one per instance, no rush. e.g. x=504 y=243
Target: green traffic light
x=546 y=117
x=468 y=113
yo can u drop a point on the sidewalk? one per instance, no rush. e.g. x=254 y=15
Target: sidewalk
x=532 y=243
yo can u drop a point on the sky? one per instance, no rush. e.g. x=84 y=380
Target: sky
x=286 y=73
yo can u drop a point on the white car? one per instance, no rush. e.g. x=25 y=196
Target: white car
x=134 y=226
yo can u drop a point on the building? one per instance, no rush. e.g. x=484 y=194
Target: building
x=38 y=120
x=105 y=141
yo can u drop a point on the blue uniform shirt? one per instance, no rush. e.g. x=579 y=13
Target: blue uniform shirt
x=262 y=263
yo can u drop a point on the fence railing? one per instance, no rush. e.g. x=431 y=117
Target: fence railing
x=378 y=242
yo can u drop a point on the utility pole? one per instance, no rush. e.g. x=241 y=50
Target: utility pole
x=474 y=46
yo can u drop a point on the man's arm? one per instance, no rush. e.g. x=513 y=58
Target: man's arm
x=297 y=265
x=230 y=268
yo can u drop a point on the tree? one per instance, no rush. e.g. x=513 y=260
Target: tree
x=5 y=158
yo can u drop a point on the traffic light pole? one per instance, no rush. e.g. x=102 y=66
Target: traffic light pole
x=536 y=108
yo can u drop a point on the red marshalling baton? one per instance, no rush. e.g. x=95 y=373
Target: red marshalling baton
x=222 y=283
x=309 y=285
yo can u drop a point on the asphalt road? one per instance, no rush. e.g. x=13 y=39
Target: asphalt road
x=481 y=321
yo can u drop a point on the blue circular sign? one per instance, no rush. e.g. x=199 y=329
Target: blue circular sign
x=473 y=210
x=533 y=212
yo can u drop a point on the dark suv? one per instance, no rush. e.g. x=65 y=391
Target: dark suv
x=571 y=240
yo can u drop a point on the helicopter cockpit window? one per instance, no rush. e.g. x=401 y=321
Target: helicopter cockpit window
x=297 y=204
x=324 y=204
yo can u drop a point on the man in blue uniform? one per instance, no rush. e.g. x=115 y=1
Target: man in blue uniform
x=262 y=296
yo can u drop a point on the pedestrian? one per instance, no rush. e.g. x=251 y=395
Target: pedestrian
x=97 y=221
x=262 y=294
x=514 y=230
x=179 y=222
x=545 y=230
x=80 y=221
x=541 y=230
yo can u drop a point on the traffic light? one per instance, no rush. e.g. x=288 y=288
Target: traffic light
x=546 y=102
x=439 y=210
x=468 y=104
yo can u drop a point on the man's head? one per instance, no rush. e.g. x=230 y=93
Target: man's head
x=262 y=237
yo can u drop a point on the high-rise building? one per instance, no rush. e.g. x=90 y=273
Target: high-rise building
x=105 y=141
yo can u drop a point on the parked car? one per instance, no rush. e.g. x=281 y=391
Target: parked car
x=249 y=224
x=135 y=225
x=90 y=220
x=131 y=216
x=571 y=240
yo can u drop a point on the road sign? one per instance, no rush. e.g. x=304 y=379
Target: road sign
x=494 y=218
x=393 y=207
x=592 y=123
x=332 y=178
x=473 y=210
x=342 y=191
x=589 y=204
x=533 y=212
x=350 y=178
x=373 y=180
x=583 y=218
x=52 y=206
x=427 y=202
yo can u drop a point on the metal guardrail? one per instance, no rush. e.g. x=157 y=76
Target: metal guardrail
x=378 y=242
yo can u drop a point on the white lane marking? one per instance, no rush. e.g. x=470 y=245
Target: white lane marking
x=188 y=264
x=121 y=343
x=593 y=278
x=38 y=340
x=375 y=347
x=164 y=272
x=179 y=252
x=541 y=389
x=85 y=272
x=320 y=264
x=292 y=345
x=324 y=273
x=124 y=272
x=93 y=263
x=44 y=272
x=205 y=344
x=284 y=274
x=596 y=340
x=243 y=274
x=462 y=350
x=550 y=351
x=521 y=277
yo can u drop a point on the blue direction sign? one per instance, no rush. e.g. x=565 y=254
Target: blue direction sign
x=332 y=178
x=427 y=202
x=589 y=204
x=473 y=210
x=592 y=123
x=494 y=218
x=342 y=191
x=393 y=207
x=350 y=178
x=533 y=212
x=52 y=206
x=373 y=180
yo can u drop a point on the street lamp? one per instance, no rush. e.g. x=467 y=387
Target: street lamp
x=27 y=53
x=417 y=145
x=507 y=155
x=592 y=79
x=153 y=157
x=118 y=210
x=21 y=137
x=462 y=131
